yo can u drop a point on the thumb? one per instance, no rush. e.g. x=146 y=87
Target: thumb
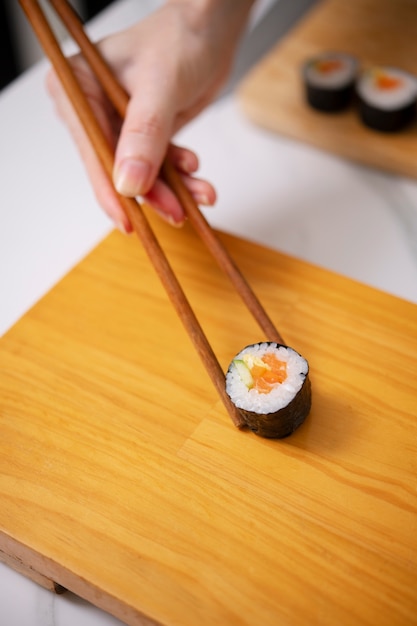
x=142 y=145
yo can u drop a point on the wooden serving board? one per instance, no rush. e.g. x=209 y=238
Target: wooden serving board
x=378 y=32
x=123 y=479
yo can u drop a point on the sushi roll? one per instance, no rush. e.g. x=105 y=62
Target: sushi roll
x=329 y=81
x=268 y=383
x=387 y=98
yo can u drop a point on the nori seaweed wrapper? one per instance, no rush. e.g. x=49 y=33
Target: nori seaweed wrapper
x=386 y=121
x=328 y=97
x=329 y=100
x=285 y=421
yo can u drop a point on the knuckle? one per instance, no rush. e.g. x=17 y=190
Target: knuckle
x=150 y=126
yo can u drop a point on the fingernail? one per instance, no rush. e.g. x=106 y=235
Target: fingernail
x=168 y=218
x=184 y=166
x=120 y=226
x=131 y=177
x=202 y=199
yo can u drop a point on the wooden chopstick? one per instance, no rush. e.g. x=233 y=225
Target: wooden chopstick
x=133 y=209
x=120 y=99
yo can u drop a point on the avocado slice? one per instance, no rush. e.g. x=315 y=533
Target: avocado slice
x=244 y=372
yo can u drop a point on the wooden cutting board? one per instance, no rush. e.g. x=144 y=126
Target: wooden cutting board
x=378 y=32
x=123 y=479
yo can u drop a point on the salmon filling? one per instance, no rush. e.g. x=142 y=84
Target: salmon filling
x=267 y=372
x=386 y=82
x=326 y=66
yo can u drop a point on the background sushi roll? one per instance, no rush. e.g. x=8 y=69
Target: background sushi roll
x=269 y=384
x=329 y=81
x=387 y=98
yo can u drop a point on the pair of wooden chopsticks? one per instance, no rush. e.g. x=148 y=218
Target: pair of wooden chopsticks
x=120 y=99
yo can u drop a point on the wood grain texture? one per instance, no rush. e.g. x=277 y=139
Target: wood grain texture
x=122 y=478
x=378 y=32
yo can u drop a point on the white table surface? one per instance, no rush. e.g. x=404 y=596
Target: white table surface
x=286 y=195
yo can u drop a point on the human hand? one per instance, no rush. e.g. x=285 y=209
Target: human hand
x=171 y=65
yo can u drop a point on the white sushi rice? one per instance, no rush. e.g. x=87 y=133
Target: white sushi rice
x=387 y=99
x=336 y=79
x=281 y=394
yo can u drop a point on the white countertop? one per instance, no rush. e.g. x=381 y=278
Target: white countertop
x=286 y=195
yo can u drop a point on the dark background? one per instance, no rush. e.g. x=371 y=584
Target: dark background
x=9 y=51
